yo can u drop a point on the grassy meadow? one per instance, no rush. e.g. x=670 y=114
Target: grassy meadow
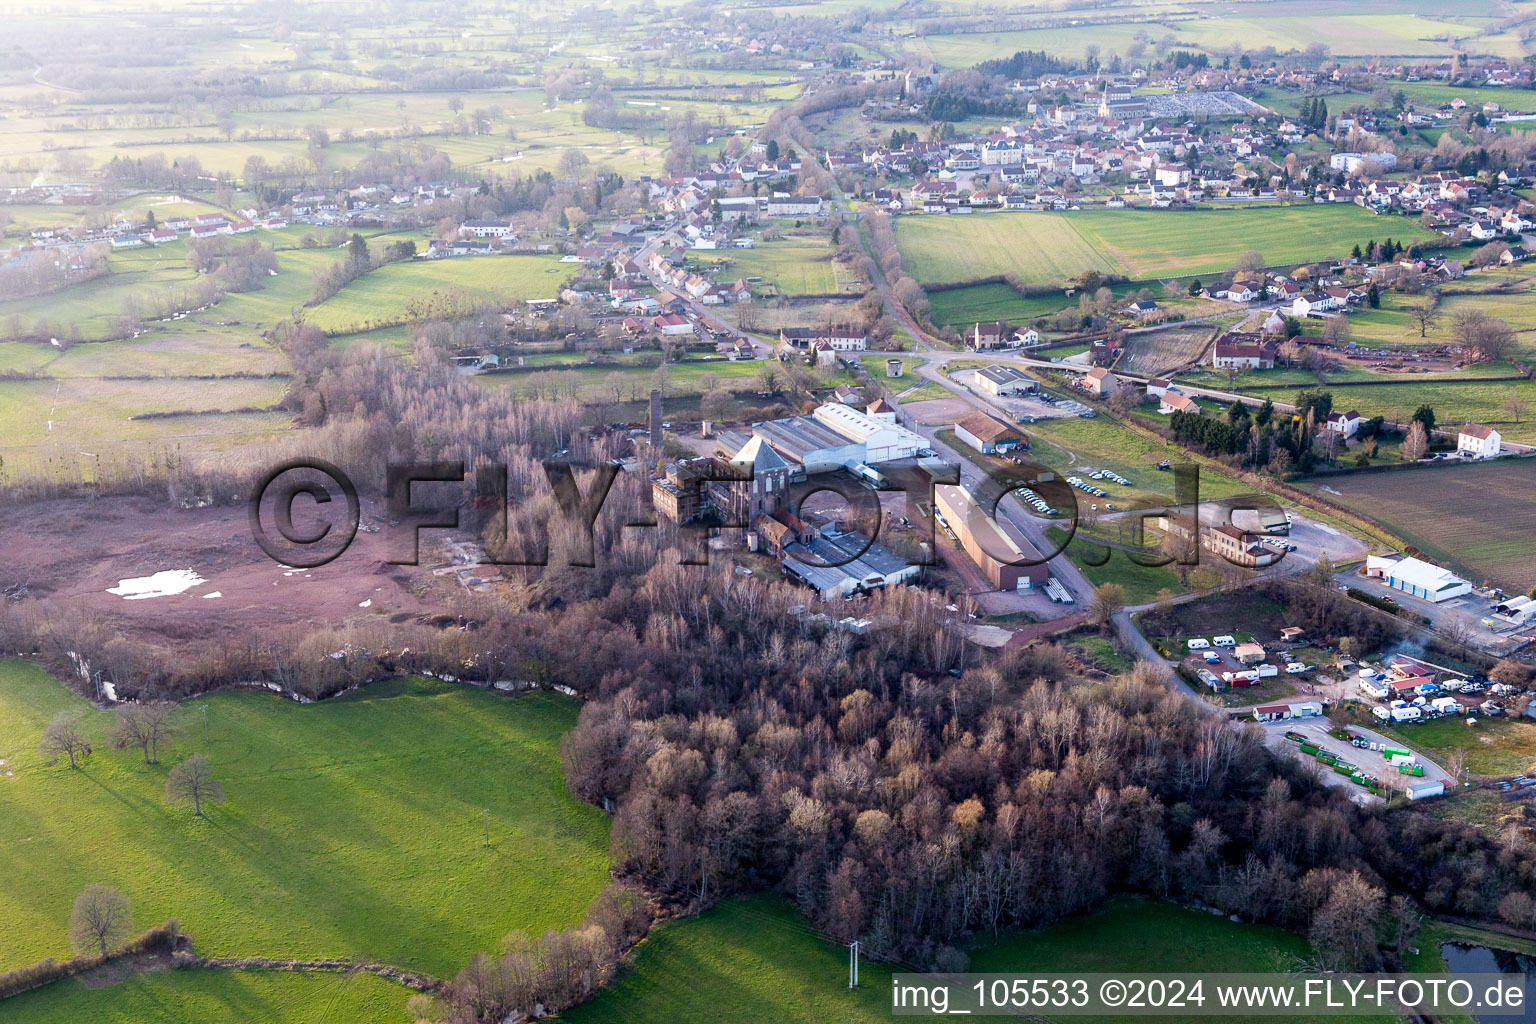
x=212 y=997
x=796 y=266
x=756 y=959
x=380 y=297
x=1049 y=248
x=353 y=827
x=961 y=307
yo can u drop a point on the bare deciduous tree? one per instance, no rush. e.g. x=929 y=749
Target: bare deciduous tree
x=100 y=919
x=1416 y=443
x=145 y=726
x=1344 y=927
x=192 y=782
x=1425 y=313
x=65 y=738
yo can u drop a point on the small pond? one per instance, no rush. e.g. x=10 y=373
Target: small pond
x=1464 y=959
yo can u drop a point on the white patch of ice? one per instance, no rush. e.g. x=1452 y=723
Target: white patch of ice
x=164 y=583
x=365 y=604
x=212 y=594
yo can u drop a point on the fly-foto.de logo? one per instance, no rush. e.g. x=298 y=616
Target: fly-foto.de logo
x=306 y=512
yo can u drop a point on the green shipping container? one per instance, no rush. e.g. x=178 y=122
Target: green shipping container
x=1411 y=769
x=1307 y=748
x=1395 y=752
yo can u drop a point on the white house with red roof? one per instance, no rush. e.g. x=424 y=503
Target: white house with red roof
x=1344 y=423
x=1476 y=441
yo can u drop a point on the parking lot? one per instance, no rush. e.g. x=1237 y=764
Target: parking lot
x=1312 y=539
x=1021 y=408
x=1369 y=761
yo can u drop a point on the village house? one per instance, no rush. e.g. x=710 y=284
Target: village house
x=984 y=337
x=1233 y=352
x=1173 y=401
x=841 y=338
x=1100 y=381
x=1475 y=441
x=1346 y=424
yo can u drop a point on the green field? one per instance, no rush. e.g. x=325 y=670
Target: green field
x=1454 y=402
x=961 y=307
x=353 y=827
x=379 y=298
x=157 y=279
x=1133 y=935
x=1370 y=28
x=749 y=959
x=796 y=266
x=82 y=420
x=1142 y=584
x=1049 y=248
x=213 y=997
x=1041 y=248
x=1070 y=444
x=1477 y=518
x=755 y=959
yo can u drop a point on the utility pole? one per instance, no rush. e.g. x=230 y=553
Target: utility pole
x=487 y=813
x=853 y=964
x=204 y=708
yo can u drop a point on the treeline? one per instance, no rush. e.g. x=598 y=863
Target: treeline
x=1260 y=439
x=1023 y=64
x=551 y=973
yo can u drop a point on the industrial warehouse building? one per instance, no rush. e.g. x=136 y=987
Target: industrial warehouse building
x=866 y=565
x=1416 y=577
x=990 y=548
x=1005 y=380
x=832 y=437
x=988 y=434
x=883 y=442
x=810 y=443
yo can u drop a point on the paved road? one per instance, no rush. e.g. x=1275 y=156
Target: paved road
x=1012 y=512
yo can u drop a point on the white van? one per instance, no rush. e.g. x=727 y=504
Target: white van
x=1199 y=643
x=1225 y=641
